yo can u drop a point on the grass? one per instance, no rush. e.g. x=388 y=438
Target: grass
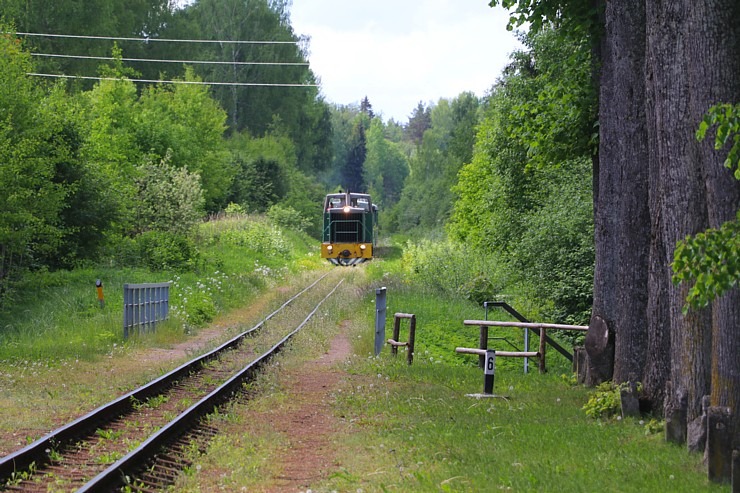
x=413 y=428
x=56 y=315
x=401 y=428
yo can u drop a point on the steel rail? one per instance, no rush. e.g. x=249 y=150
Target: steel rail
x=125 y=469
x=37 y=452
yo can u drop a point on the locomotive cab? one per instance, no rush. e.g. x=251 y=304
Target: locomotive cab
x=349 y=228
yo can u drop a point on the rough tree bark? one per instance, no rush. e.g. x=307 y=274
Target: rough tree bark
x=682 y=196
x=626 y=31
x=658 y=364
x=713 y=59
x=622 y=224
x=606 y=196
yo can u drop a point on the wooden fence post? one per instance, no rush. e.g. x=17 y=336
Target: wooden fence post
x=542 y=350
x=396 y=334
x=483 y=344
x=412 y=340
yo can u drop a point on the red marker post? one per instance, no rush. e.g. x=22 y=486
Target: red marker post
x=99 y=287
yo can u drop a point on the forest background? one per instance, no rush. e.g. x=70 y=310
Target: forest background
x=505 y=188
x=118 y=171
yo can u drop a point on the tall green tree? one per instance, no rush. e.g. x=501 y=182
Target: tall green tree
x=446 y=144
x=237 y=25
x=385 y=166
x=183 y=121
x=136 y=18
x=30 y=199
x=264 y=166
x=88 y=210
x=352 y=174
x=524 y=200
x=419 y=122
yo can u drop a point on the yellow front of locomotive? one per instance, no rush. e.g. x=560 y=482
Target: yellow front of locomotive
x=348 y=229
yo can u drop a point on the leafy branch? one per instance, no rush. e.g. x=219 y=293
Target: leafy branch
x=712 y=258
x=727 y=119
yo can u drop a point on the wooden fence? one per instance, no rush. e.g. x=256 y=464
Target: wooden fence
x=395 y=343
x=541 y=327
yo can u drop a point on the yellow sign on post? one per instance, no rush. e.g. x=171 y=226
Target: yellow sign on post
x=99 y=286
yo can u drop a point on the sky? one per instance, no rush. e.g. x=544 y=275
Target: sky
x=401 y=52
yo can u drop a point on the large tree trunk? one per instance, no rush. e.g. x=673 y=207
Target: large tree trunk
x=658 y=364
x=631 y=160
x=681 y=196
x=622 y=224
x=713 y=59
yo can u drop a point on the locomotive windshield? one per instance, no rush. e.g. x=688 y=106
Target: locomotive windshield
x=349 y=228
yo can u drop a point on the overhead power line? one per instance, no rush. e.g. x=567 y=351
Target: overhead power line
x=190 y=82
x=212 y=62
x=146 y=40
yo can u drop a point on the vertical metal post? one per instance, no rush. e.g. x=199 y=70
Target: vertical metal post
x=380 y=304
x=489 y=372
x=126 y=310
x=99 y=289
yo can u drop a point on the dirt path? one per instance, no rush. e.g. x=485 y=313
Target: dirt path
x=309 y=422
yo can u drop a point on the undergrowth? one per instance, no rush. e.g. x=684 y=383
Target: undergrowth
x=57 y=316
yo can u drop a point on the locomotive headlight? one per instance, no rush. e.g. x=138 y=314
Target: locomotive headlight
x=362 y=247
x=346 y=209
x=330 y=248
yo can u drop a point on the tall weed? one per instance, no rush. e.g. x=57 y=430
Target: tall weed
x=56 y=315
x=453 y=268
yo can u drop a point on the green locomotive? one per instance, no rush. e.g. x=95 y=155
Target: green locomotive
x=350 y=221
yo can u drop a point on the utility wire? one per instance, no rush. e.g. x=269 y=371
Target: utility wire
x=195 y=83
x=215 y=62
x=146 y=40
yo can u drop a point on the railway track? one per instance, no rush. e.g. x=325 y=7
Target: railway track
x=140 y=440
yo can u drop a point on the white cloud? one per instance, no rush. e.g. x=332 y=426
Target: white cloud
x=400 y=53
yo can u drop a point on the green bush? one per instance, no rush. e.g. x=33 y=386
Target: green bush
x=201 y=311
x=161 y=250
x=606 y=400
x=258 y=237
x=453 y=268
x=233 y=210
x=169 y=198
x=287 y=217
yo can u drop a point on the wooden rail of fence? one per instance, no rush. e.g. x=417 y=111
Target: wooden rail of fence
x=395 y=343
x=542 y=327
x=506 y=354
